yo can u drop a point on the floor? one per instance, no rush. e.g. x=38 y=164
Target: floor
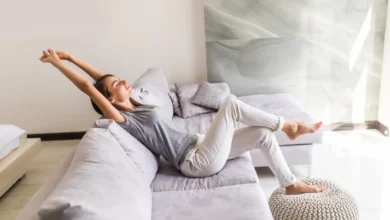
x=52 y=154
x=355 y=160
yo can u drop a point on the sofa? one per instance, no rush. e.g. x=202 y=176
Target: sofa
x=140 y=185
x=234 y=193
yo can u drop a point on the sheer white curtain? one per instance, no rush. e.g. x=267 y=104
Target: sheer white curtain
x=384 y=101
x=384 y=115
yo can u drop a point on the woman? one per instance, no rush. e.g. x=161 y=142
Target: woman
x=194 y=155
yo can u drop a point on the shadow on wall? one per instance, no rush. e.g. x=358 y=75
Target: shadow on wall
x=328 y=55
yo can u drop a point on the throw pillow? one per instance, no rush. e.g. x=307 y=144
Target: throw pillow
x=186 y=93
x=175 y=103
x=152 y=88
x=211 y=96
x=100 y=183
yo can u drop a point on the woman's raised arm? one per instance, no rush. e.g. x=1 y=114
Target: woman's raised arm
x=89 y=69
x=84 y=85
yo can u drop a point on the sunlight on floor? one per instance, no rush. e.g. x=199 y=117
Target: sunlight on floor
x=355 y=160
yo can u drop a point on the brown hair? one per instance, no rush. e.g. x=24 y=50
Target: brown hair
x=102 y=88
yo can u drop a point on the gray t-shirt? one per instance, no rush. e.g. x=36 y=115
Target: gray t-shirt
x=158 y=134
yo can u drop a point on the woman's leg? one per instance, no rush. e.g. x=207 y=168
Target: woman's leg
x=212 y=153
x=249 y=138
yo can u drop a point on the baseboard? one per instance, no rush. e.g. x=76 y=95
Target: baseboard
x=58 y=136
x=359 y=126
x=332 y=127
x=382 y=128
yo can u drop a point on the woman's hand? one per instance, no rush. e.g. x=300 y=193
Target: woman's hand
x=50 y=56
x=63 y=55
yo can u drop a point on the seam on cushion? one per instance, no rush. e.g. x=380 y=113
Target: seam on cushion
x=205 y=188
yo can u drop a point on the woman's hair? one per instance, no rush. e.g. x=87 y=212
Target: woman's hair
x=102 y=88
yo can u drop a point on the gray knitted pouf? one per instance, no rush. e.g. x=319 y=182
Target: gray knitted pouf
x=333 y=203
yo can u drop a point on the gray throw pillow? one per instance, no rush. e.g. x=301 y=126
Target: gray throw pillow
x=152 y=88
x=211 y=96
x=175 y=103
x=186 y=93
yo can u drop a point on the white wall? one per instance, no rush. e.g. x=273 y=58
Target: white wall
x=384 y=100
x=123 y=37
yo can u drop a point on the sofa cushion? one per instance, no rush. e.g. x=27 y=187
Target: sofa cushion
x=246 y=201
x=279 y=104
x=198 y=124
x=288 y=107
x=142 y=157
x=152 y=88
x=100 y=183
x=211 y=96
x=236 y=171
x=222 y=86
x=175 y=104
x=186 y=93
x=293 y=154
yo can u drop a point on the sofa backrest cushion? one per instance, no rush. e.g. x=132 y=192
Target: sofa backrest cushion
x=143 y=158
x=185 y=94
x=101 y=183
x=152 y=88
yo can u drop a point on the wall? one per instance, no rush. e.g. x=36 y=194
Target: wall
x=327 y=54
x=123 y=37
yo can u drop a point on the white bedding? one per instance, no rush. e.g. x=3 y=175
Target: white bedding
x=9 y=139
x=7 y=148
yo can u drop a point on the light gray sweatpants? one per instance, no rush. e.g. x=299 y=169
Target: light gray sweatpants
x=223 y=141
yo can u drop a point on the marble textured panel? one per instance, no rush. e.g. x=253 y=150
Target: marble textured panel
x=326 y=53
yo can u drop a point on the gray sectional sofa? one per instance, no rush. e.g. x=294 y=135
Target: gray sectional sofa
x=234 y=193
x=112 y=176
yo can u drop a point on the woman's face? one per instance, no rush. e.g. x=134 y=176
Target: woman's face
x=120 y=90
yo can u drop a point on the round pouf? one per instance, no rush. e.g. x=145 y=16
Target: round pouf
x=332 y=203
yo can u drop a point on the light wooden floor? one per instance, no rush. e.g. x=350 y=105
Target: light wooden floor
x=52 y=154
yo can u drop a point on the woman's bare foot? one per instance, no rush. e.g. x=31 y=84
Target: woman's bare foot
x=295 y=129
x=299 y=188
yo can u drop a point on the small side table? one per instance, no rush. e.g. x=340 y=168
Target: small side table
x=13 y=167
